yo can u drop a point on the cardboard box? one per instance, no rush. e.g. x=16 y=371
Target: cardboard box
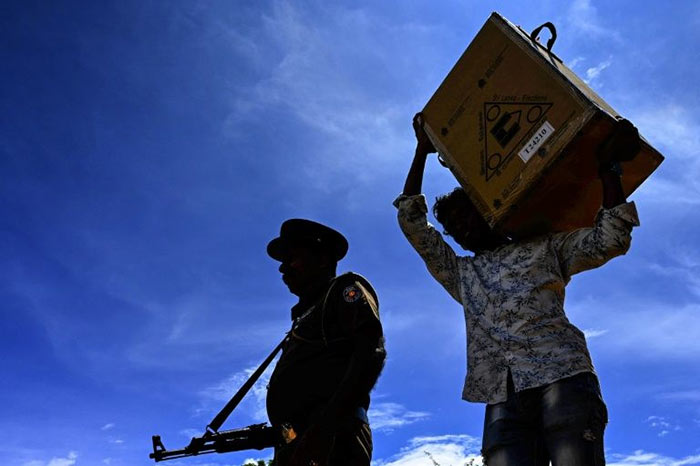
x=519 y=131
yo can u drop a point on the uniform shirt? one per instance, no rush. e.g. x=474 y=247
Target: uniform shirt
x=343 y=315
x=513 y=297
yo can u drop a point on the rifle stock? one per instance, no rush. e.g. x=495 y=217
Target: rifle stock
x=254 y=437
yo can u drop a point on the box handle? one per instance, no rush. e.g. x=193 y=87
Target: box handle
x=552 y=30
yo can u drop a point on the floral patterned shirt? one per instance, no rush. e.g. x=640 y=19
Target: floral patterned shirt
x=513 y=297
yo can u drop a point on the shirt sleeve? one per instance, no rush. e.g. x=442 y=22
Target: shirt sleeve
x=439 y=257
x=588 y=248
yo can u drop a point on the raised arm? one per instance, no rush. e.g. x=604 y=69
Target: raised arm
x=589 y=248
x=414 y=179
x=438 y=256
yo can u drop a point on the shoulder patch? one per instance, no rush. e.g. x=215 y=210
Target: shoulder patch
x=352 y=293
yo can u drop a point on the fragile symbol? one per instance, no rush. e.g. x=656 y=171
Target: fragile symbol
x=505 y=127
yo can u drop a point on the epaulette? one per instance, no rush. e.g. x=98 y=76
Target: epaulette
x=345 y=284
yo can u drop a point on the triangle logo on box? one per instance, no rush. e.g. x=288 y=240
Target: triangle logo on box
x=506 y=126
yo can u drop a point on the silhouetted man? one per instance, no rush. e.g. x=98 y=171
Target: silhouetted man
x=319 y=390
x=525 y=360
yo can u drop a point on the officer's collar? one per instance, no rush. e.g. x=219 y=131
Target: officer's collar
x=309 y=299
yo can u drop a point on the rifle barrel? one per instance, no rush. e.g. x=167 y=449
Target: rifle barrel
x=255 y=437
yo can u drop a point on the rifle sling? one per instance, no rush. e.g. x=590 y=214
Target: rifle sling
x=219 y=419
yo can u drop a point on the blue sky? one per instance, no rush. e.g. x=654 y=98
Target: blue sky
x=150 y=150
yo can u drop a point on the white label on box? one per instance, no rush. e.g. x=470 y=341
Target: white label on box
x=537 y=139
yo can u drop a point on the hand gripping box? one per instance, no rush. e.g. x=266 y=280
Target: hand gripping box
x=519 y=130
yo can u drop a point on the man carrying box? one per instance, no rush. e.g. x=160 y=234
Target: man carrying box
x=525 y=360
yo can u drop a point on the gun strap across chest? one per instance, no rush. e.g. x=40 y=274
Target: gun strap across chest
x=220 y=418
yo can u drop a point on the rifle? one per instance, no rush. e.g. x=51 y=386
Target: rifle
x=256 y=436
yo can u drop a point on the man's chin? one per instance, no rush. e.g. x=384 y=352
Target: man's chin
x=292 y=287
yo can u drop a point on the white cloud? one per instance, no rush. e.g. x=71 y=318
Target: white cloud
x=253 y=405
x=189 y=433
x=665 y=331
x=306 y=79
x=182 y=333
x=670 y=191
x=594 y=72
x=594 y=332
x=682 y=395
x=388 y=416
x=256 y=460
x=322 y=78
x=107 y=426
x=69 y=460
x=384 y=416
x=662 y=425
x=575 y=62
x=584 y=19
x=464 y=450
x=675 y=131
x=642 y=458
x=683 y=267
x=673 y=128
x=443 y=450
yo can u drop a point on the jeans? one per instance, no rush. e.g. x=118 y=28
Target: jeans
x=562 y=422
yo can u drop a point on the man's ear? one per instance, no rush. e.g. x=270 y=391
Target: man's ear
x=328 y=262
x=321 y=258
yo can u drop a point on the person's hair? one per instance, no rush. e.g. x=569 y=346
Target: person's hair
x=445 y=204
